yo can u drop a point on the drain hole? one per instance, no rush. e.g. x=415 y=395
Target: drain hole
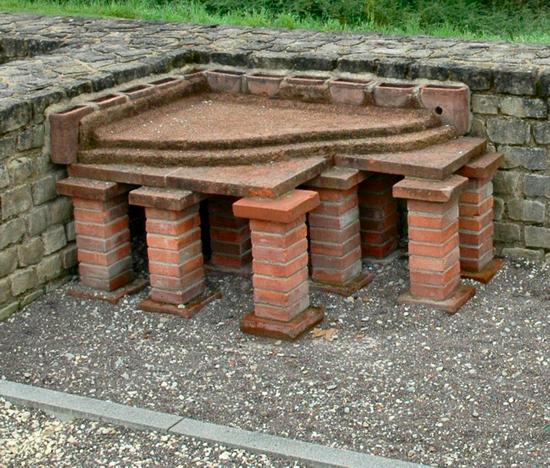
x=439 y=110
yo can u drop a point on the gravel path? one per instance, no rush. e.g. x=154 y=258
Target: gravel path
x=33 y=438
x=397 y=381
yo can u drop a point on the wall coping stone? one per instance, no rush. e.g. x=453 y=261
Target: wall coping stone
x=93 y=54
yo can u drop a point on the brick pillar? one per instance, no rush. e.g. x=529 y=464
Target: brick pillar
x=476 y=219
x=102 y=234
x=434 y=255
x=379 y=216
x=174 y=250
x=280 y=275
x=229 y=238
x=335 y=242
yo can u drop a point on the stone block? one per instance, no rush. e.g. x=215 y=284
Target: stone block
x=531 y=158
x=498 y=207
x=60 y=211
x=523 y=107
x=506 y=182
x=507 y=232
x=20 y=170
x=4 y=176
x=5 y=290
x=23 y=280
x=49 y=268
x=70 y=231
x=7 y=147
x=514 y=81
x=518 y=252
x=30 y=252
x=508 y=130
x=541 y=131
x=69 y=256
x=54 y=239
x=11 y=232
x=527 y=210
x=44 y=190
x=37 y=220
x=8 y=310
x=15 y=201
x=31 y=297
x=537 y=237
x=32 y=137
x=536 y=185
x=484 y=104
x=8 y=261
x=14 y=114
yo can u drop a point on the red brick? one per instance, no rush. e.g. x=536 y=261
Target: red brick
x=102 y=230
x=172 y=269
x=336 y=209
x=379 y=237
x=173 y=242
x=330 y=195
x=281 y=299
x=175 y=256
x=417 y=262
x=231 y=248
x=429 y=207
x=334 y=235
x=105 y=272
x=104 y=258
x=232 y=261
x=279 y=255
x=335 y=249
x=339 y=222
x=280 y=284
x=169 y=215
x=476 y=251
x=439 y=292
x=337 y=276
x=280 y=270
x=283 y=314
x=277 y=240
x=98 y=205
x=177 y=296
x=476 y=238
x=438 y=221
x=340 y=263
x=475 y=223
x=379 y=251
x=108 y=283
x=434 y=250
x=105 y=216
x=173 y=228
x=179 y=283
x=466 y=209
x=435 y=277
x=435 y=236
x=102 y=244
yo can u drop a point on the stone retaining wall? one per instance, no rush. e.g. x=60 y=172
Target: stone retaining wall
x=47 y=61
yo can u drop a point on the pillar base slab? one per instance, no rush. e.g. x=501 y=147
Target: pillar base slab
x=245 y=271
x=485 y=275
x=300 y=324
x=360 y=281
x=82 y=291
x=190 y=309
x=450 y=305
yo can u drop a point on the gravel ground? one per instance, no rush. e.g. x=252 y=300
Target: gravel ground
x=397 y=381
x=33 y=438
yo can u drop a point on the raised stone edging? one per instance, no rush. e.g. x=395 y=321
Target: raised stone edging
x=139 y=418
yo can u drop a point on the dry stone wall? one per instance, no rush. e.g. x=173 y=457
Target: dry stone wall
x=48 y=61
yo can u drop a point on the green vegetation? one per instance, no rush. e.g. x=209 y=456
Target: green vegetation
x=516 y=20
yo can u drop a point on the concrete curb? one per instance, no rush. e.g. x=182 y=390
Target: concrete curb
x=138 y=418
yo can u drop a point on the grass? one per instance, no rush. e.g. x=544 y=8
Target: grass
x=511 y=20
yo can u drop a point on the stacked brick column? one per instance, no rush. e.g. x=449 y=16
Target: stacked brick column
x=379 y=216
x=476 y=219
x=434 y=256
x=280 y=258
x=229 y=237
x=102 y=234
x=334 y=232
x=174 y=250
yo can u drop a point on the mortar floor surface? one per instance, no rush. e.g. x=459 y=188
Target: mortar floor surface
x=397 y=381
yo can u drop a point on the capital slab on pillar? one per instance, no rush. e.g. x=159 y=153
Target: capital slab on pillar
x=434 y=254
x=280 y=258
